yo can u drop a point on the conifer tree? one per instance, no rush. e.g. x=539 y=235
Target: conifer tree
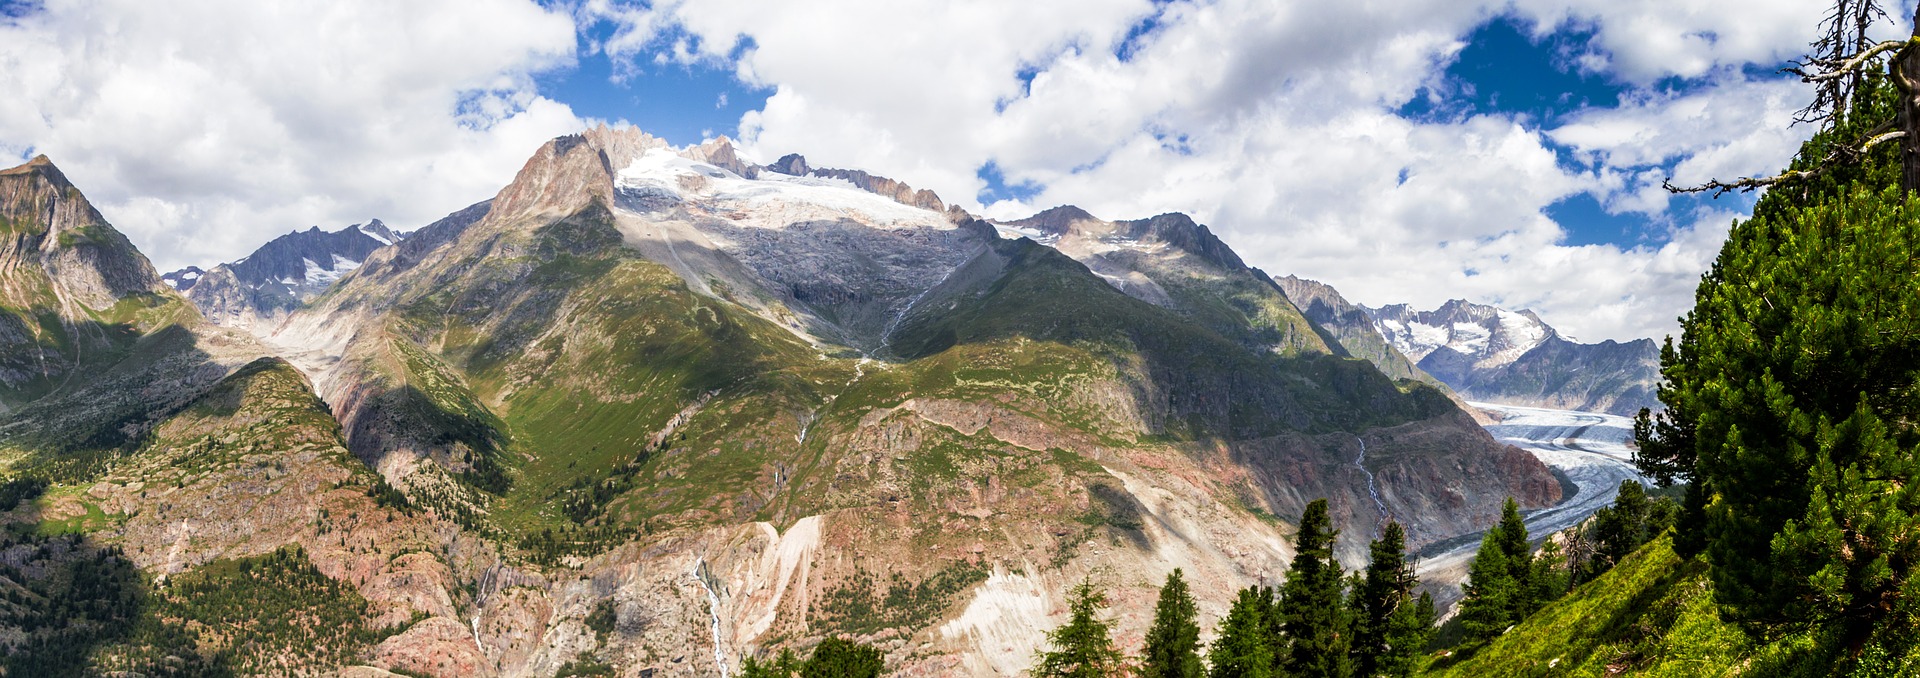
x=1621 y=528
x=1172 y=648
x=1083 y=647
x=1790 y=403
x=1384 y=608
x=1312 y=609
x=1244 y=647
x=842 y=658
x=1487 y=609
x=1511 y=534
x=1550 y=577
x=1409 y=631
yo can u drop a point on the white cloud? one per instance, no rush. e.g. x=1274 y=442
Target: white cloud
x=203 y=129
x=1272 y=122
x=1646 y=40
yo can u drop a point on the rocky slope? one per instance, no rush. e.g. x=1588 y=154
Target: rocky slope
x=261 y=288
x=1494 y=355
x=660 y=408
x=1350 y=327
x=824 y=396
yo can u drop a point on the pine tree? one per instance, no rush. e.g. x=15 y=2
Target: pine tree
x=1409 y=631
x=1172 y=648
x=1511 y=534
x=842 y=658
x=1083 y=647
x=1621 y=528
x=1487 y=609
x=1790 y=401
x=1384 y=606
x=1551 y=576
x=1244 y=647
x=1311 y=604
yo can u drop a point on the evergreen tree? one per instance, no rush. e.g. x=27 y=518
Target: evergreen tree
x=782 y=667
x=1511 y=534
x=1487 y=609
x=1621 y=528
x=1172 y=648
x=1790 y=401
x=1409 y=631
x=842 y=658
x=1384 y=608
x=1311 y=604
x=1244 y=647
x=1083 y=647
x=1550 y=578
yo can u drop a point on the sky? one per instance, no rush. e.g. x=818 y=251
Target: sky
x=1508 y=152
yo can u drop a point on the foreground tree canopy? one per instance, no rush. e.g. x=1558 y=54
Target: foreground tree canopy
x=1793 y=395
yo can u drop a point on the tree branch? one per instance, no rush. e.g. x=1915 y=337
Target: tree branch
x=1839 y=156
x=1849 y=66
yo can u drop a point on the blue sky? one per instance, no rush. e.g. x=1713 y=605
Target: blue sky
x=1503 y=151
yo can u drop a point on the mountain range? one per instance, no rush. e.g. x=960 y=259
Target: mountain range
x=1506 y=357
x=659 y=408
x=261 y=288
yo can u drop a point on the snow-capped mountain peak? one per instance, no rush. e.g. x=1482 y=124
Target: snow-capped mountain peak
x=1489 y=337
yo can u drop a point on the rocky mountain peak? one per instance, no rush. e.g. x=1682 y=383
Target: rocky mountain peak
x=183 y=279
x=720 y=153
x=1054 y=221
x=1491 y=354
x=791 y=164
x=281 y=274
x=48 y=226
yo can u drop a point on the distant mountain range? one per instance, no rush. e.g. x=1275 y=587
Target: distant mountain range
x=1513 y=358
x=661 y=407
x=262 y=287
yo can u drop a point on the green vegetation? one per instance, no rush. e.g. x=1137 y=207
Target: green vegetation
x=860 y=606
x=1391 y=626
x=1310 y=610
x=86 y=610
x=1653 y=614
x=832 y=658
x=1172 y=647
x=1082 y=647
x=1791 y=397
x=585 y=666
x=1499 y=582
x=1246 y=645
x=1217 y=386
x=1616 y=531
x=1790 y=407
x=271 y=613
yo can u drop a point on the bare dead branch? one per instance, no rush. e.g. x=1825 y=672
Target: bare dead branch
x=1850 y=66
x=1839 y=157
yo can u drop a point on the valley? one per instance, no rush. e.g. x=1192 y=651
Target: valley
x=1589 y=449
x=658 y=407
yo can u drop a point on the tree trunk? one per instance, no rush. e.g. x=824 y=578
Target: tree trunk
x=1906 y=68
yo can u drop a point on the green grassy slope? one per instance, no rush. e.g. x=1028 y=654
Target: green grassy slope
x=1214 y=385
x=1652 y=615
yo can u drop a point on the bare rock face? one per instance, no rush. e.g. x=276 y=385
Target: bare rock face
x=261 y=288
x=74 y=292
x=50 y=227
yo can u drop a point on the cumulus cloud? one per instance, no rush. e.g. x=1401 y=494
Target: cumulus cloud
x=203 y=129
x=1275 y=123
